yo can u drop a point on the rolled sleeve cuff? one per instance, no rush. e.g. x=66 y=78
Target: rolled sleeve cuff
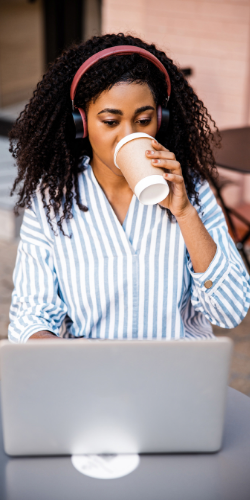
x=30 y=330
x=215 y=274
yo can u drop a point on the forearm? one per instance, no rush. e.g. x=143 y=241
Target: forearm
x=43 y=335
x=199 y=243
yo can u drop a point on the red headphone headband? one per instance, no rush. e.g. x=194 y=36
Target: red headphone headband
x=117 y=50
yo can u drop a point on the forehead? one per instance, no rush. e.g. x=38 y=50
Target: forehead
x=125 y=94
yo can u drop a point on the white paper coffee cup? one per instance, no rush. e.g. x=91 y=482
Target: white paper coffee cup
x=146 y=181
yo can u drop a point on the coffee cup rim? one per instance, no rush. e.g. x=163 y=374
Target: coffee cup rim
x=148 y=182
x=128 y=138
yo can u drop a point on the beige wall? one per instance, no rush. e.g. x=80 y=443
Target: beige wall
x=21 y=49
x=211 y=36
x=91 y=18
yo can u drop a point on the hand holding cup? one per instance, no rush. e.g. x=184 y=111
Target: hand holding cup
x=177 y=200
x=145 y=180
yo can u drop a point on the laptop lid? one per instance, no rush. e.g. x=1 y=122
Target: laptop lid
x=91 y=397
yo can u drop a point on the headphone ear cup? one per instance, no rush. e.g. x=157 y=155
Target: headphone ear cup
x=165 y=118
x=80 y=123
x=159 y=117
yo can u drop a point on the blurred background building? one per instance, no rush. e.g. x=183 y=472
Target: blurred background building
x=33 y=33
x=210 y=36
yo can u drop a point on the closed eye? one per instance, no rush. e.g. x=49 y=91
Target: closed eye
x=144 y=122
x=111 y=123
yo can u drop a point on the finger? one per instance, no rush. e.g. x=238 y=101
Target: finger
x=176 y=179
x=159 y=147
x=165 y=155
x=168 y=165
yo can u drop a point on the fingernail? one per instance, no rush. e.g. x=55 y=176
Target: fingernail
x=156 y=161
x=150 y=152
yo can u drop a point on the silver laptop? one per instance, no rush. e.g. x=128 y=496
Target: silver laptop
x=91 y=397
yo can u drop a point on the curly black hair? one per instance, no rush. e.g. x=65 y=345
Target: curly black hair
x=42 y=139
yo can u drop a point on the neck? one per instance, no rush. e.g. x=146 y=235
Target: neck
x=114 y=185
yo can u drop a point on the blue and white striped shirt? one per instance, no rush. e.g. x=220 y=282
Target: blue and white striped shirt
x=125 y=281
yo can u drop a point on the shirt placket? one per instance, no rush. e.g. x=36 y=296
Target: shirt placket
x=135 y=277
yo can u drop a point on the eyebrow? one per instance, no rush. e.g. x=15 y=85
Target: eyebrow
x=119 y=112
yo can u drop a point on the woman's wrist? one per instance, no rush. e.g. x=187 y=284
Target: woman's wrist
x=44 y=334
x=200 y=245
x=188 y=212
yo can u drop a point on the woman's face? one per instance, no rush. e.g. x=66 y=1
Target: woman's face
x=124 y=109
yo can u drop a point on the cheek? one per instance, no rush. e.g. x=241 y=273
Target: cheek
x=99 y=140
x=96 y=140
x=152 y=129
x=103 y=145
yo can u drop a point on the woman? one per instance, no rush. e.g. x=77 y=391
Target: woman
x=93 y=261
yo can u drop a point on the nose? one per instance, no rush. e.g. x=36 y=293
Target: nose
x=127 y=129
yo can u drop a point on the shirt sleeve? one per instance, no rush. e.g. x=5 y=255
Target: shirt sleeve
x=227 y=300
x=36 y=304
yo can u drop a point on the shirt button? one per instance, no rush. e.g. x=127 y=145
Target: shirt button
x=208 y=284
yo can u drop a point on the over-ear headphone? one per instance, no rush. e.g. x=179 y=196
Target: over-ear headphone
x=79 y=115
